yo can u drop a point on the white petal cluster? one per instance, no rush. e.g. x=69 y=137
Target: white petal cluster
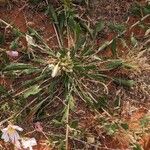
x=10 y=134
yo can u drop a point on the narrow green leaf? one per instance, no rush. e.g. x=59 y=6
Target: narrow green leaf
x=84 y=26
x=98 y=27
x=102 y=102
x=136 y=10
x=79 y=43
x=16 y=32
x=31 y=71
x=114 y=64
x=103 y=46
x=2 y=39
x=61 y=20
x=125 y=126
x=14 y=44
x=87 y=51
x=114 y=48
x=145 y=121
x=134 y=41
x=117 y=27
x=146 y=9
x=31 y=91
x=137 y=147
x=111 y=128
x=52 y=13
x=74 y=124
x=71 y=102
x=117 y=102
x=35 y=80
x=17 y=66
x=84 y=96
x=98 y=77
x=3 y=91
x=123 y=82
x=64 y=115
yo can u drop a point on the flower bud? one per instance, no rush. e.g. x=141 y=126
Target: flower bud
x=55 y=71
x=12 y=54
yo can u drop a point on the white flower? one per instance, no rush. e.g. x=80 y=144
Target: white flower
x=29 y=143
x=10 y=134
x=55 y=70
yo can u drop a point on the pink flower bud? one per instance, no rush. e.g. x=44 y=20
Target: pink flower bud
x=38 y=126
x=12 y=54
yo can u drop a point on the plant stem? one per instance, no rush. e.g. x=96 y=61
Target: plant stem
x=67 y=126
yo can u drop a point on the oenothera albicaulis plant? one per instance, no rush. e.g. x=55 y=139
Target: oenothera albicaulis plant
x=75 y=71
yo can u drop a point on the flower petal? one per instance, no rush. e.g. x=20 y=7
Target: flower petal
x=4 y=130
x=28 y=143
x=32 y=141
x=30 y=148
x=14 y=137
x=17 y=128
x=18 y=144
x=55 y=71
x=5 y=137
x=25 y=144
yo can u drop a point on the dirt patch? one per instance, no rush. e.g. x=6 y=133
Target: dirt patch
x=111 y=10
